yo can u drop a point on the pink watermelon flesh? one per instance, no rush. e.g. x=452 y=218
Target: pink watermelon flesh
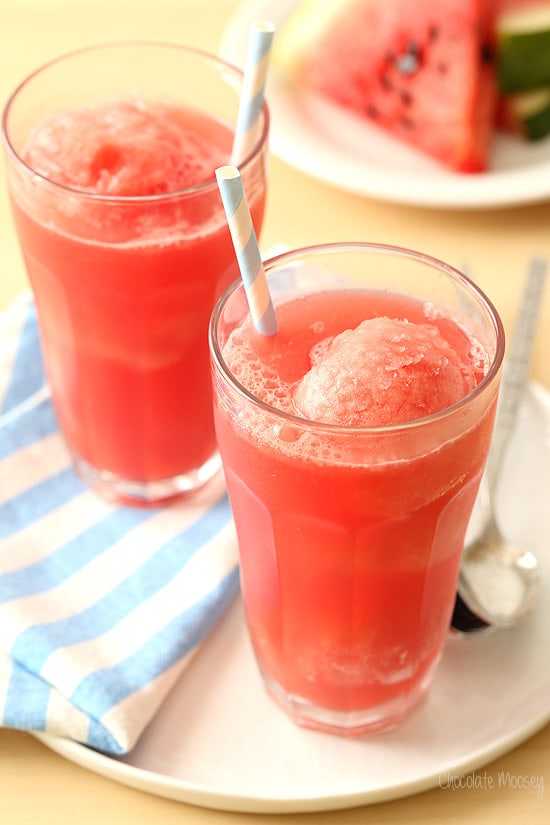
x=424 y=71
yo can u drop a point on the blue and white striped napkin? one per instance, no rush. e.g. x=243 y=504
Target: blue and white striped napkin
x=101 y=606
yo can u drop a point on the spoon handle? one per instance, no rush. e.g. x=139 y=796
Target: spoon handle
x=516 y=367
x=514 y=378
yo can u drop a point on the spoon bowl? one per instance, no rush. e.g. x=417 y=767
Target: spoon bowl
x=498 y=581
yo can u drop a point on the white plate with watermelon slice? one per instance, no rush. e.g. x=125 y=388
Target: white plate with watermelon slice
x=346 y=151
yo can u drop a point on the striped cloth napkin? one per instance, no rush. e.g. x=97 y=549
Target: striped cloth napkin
x=101 y=606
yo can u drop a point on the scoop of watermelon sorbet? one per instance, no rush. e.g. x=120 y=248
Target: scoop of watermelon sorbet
x=385 y=371
x=125 y=147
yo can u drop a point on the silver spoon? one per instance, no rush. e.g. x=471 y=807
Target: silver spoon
x=498 y=582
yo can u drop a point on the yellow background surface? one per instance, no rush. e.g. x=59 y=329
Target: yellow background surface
x=38 y=786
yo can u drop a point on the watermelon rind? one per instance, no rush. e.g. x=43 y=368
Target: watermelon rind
x=523 y=39
x=537 y=126
x=531 y=113
x=303 y=26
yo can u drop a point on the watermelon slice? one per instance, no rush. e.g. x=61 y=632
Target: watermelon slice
x=523 y=60
x=523 y=37
x=424 y=71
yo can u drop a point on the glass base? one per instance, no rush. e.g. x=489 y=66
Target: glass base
x=350 y=723
x=145 y=494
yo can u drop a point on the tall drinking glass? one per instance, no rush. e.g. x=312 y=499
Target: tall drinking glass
x=353 y=444
x=111 y=156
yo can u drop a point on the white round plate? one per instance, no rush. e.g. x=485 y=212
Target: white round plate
x=345 y=151
x=219 y=741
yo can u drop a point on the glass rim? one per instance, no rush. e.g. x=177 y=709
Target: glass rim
x=163 y=197
x=332 y=429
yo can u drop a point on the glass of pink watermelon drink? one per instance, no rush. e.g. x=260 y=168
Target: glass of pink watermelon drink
x=353 y=444
x=111 y=158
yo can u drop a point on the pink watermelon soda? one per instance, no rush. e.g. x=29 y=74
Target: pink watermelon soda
x=127 y=249
x=353 y=442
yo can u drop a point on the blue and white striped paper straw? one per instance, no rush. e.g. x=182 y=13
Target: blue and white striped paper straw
x=252 y=92
x=246 y=249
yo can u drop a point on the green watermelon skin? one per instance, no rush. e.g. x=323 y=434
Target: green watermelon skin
x=423 y=71
x=526 y=114
x=523 y=45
